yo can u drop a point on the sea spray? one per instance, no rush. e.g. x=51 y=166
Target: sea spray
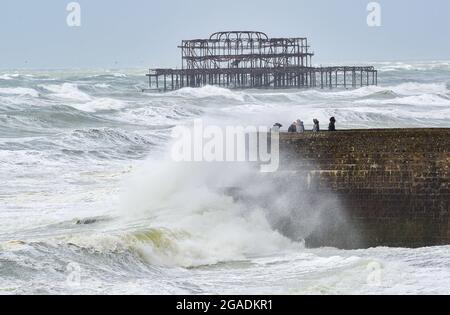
x=191 y=199
x=215 y=212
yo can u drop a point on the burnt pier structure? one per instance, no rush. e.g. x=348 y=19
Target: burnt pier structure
x=246 y=60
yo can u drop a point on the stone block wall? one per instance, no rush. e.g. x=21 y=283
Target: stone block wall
x=393 y=185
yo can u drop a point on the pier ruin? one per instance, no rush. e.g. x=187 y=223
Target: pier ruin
x=252 y=60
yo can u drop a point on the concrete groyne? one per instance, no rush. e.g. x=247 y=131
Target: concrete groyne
x=393 y=185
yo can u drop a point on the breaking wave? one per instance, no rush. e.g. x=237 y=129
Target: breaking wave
x=211 y=92
x=191 y=220
x=101 y=104
x=416 y=100
x=415 y=67
x=20 y=91
x=67 y=91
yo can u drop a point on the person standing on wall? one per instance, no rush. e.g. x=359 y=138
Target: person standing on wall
x=332 y=126
x=300 y=126
x=293 y=128
x=316 y=127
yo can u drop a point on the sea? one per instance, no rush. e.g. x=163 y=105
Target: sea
x=90 y=202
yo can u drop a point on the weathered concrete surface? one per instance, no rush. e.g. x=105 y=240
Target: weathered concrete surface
x=393 y=185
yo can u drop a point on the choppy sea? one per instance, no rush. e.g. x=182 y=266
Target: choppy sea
x=88 y=147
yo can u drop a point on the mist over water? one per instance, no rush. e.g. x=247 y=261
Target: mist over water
x=86 y=180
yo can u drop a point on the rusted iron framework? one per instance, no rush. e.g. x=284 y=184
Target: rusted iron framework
x=253 y=60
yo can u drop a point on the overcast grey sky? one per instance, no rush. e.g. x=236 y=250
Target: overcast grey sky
x=144 y=33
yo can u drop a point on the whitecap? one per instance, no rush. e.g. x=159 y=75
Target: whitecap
x=6 y=77
x=100 y=104
x=19 y=91
x=102 y=85
x=416 y=100
x=67 y=91
x=209 y=91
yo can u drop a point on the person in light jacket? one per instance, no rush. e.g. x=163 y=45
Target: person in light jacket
x=316 y=127
x=300 y=126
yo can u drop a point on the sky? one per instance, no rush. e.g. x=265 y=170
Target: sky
x=145 y=33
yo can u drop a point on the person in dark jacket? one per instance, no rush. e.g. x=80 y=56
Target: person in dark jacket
x=293 y=128
x=332 y=126
x=316 y=127
x=276 y=127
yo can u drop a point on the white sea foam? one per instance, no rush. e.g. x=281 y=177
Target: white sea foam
x=416 y=100
x=210 y=91
x=120 y=75
x=19 y=91
x=102 y=85
x=100 y=104
x=413 y=66
x=412 y=88
x=82 y=100
x=6 y=77
x=404 y=89
x=15 y=76
x=67 y=91
x=201 y=224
